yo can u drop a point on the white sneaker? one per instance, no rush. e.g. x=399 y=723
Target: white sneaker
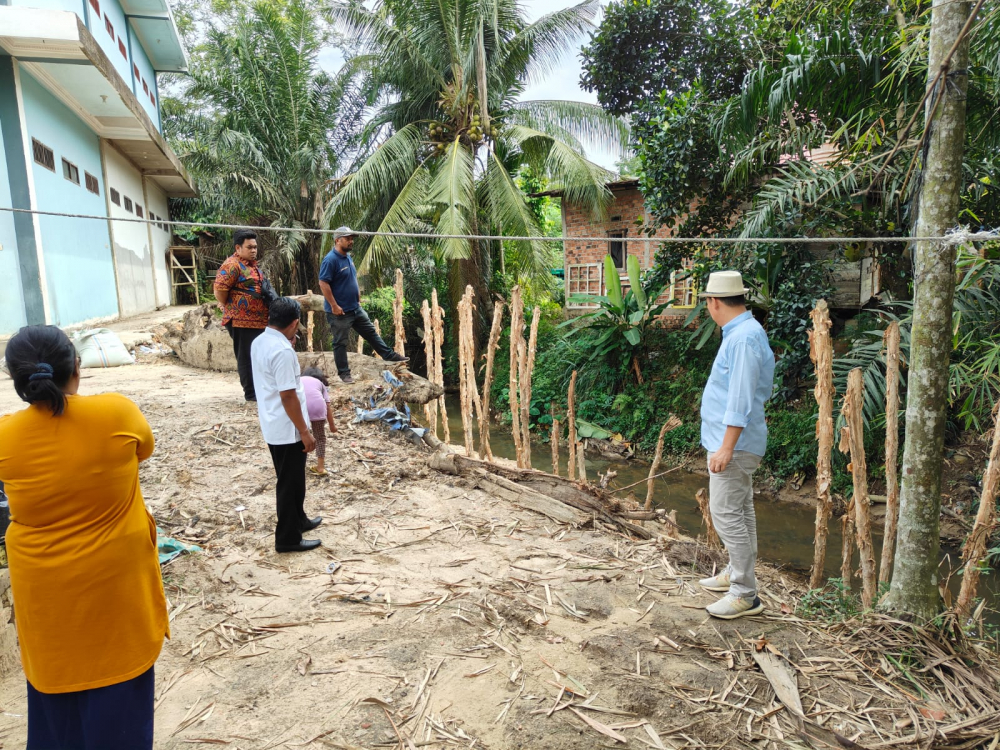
x=716 y=583
x=730 y=607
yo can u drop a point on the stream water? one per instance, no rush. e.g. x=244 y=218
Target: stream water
x=785 y=530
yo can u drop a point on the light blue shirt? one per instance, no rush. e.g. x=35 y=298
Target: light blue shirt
x=741 y=381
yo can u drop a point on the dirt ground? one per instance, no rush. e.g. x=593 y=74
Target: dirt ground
x=453 y=618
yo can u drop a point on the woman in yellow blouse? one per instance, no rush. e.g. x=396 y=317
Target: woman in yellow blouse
x=85 y=577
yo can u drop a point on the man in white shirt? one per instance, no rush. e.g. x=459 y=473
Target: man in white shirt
x=281 y=408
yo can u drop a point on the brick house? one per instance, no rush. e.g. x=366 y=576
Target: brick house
x=583 y=262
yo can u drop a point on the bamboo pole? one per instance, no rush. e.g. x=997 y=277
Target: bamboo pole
x=704 y=505
x=397 y=316
x=891 y=449
x=491 y=350
x=571 y=424
x=310 y=326
x=465 y=387
x=655 y=467
x=859 y=472
x=527 y=368
x=847 y=547
x=430 y=408
x=974 y=552
x=516 y=337
x=437 y=320
x=821 y=353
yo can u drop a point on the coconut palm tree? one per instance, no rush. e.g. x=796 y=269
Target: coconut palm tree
x=448 y=130
x=263 y=128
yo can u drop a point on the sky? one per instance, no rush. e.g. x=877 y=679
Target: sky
x=562 y=83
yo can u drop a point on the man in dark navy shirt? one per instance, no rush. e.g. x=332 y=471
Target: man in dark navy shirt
x=338 y=280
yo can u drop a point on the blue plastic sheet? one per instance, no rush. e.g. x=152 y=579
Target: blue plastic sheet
x=396 y=419
x=169 y=548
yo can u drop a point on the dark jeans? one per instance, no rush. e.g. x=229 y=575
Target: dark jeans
x=341 y=326
x=116 y=717
x=290 y=490
x=242 y=339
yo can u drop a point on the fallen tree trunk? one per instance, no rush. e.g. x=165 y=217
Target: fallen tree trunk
x=556 y=497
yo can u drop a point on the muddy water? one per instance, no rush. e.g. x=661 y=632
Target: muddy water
x=785 y=530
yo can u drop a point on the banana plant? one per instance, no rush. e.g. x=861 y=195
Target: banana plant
x=620 y=320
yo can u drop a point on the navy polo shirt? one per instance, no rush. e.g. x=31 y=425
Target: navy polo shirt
x=339 y=272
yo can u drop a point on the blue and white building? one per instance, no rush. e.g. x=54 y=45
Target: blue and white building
x=80 y=133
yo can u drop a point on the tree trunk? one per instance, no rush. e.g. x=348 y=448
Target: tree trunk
x=914 y=590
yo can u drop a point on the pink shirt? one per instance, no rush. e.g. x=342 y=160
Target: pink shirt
x=317 y=397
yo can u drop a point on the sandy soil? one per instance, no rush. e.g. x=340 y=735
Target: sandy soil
x=454 y=619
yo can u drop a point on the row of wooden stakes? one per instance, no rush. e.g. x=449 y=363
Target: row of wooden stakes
x=856 y=523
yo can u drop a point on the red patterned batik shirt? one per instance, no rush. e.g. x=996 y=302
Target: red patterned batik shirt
x=238 y=278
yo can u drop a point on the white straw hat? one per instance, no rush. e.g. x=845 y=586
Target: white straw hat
x=724 y=284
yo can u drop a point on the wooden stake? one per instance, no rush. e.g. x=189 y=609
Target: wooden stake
x=847 y=548
x=891 y=449
x=974 y=552
x=378 y=330
x=554 y=439
x=437 y=320
x=310 y=326
x=655 y=466
x=571 y=424
x=466 y=368
x=821 y=353
x=430 y=408
x=361 y=345
x=527 y=368
x=859 y=471
x=711 y=538
x=516 y=339
x=491 y=350
x=581 y=462
x=397 y=316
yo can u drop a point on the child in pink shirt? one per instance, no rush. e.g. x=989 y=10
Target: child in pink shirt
x=314 y=383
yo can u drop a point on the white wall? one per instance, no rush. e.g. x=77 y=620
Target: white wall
x=136 y=287
x=160 y=237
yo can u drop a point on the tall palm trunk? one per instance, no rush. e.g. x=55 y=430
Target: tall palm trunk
x=914 y=589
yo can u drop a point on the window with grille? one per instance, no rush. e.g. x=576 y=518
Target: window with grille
x=96 y=5
x=121 y=48
x=110 y=27
x=583 y=278
x=92 y=184
x=116 y=197
x=128 y=204
x=138 y=210
x=616 y=248
x=70 y=172
x=43 y=154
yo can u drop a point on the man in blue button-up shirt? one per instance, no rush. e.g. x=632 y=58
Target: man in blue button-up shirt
x=734 y=433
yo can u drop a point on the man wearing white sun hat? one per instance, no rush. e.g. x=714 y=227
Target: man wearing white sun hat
x=734 y=433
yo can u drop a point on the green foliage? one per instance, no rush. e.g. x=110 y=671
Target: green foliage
x=644 y=47
x=832 y=603
x=791 y=441
x=261 y=128
x=448 y=132
x=617 y=328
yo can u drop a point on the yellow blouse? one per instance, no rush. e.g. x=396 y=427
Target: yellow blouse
x=85 y=576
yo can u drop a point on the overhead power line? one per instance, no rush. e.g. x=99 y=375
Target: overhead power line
x=957 y=236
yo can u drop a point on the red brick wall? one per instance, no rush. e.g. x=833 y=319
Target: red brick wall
x=623 y=213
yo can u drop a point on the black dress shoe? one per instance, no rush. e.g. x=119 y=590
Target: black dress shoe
x=397 y=358
x=304 y=546
x=311 y=524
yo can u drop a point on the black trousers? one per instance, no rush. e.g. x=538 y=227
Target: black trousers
x=341 y=326
x=242 y=339
x=290 y=491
